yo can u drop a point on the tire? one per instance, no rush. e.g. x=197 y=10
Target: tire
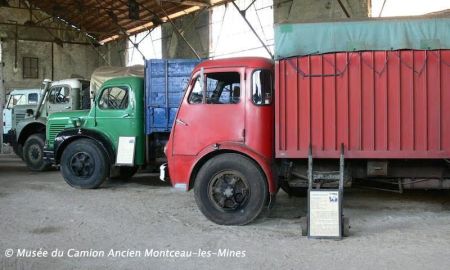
x=18 y=150
x=294 y=191
x=84 y=164
x=125 y=172
x=33 y=153
x=230 y=189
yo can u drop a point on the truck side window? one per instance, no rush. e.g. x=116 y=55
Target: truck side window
x=221 y=88
x=114 y=98
x=32 y=98
x=60 y=95
x=262 y=87
x=85 y=95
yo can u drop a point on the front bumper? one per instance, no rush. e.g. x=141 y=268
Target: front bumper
x=10 y=138
x=6 y=138
x=163 y=172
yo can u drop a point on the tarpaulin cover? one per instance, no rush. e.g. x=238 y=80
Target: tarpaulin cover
x=297 y=39
x=102 y=74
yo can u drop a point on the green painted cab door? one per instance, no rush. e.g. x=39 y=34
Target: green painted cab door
x=116 y=115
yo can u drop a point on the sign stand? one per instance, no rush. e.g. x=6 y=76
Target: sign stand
x=325 y=217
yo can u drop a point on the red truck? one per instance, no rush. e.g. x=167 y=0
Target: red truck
x=246 y=126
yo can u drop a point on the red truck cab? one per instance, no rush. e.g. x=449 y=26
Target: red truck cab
x=226 y=117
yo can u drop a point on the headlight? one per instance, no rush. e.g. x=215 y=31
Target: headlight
x=76 y=122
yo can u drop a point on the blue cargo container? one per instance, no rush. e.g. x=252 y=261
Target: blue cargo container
x=165 y=83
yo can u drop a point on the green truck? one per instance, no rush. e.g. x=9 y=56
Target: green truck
x=137 y=110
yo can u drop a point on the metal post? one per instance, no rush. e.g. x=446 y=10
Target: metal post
x=310 y=168
x=251 y=28
x=344 y=9
x=341 y=170
x=2 y=100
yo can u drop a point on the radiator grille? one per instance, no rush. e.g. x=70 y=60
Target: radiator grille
x=54 y=130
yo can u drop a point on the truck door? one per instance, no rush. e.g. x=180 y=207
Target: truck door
x=59 y=99
x=212 y=111
x=115 y=113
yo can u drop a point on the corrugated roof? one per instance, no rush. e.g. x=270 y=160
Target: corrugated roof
x=107 y=20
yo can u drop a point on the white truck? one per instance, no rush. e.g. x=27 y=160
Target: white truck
x=26 y=98
x=27 y=136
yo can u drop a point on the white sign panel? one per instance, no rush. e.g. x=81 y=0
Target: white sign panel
x=125 y=151
x=324 y=214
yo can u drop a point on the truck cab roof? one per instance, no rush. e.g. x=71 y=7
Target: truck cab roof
x=74 y=83
x=235 y=62
x=125 y=79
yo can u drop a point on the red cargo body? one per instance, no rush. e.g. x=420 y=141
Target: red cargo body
x=379 y=104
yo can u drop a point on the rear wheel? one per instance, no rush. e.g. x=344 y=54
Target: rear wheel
x=33 y=153
x=84 y=164
x=230 y=189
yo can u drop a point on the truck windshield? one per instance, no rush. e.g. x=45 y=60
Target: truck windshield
x=221 y=88
x=60 y=95
x=114 y=98
x=262 y=87
x=17 y=99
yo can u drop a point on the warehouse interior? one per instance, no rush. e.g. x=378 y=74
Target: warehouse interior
x=63 y=39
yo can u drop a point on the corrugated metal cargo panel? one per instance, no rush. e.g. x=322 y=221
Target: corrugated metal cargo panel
x=165 y=82
x=379 y=104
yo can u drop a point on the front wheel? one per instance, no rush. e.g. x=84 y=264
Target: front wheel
x=33 y=153
x=84 y=164
x=230 y=189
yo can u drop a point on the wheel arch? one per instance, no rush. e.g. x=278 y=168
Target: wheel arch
x=30 y=129
x=66 y=137
x=261 y=163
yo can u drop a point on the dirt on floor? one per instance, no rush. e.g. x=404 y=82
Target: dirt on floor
x=144 y=224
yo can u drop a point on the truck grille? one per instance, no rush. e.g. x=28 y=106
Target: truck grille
x=54 y=130
x=19 y=117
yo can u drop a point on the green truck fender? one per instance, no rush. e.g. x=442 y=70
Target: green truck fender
x=67 y=136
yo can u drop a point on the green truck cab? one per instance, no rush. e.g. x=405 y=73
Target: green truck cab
x=127 y=127
x=85 y=142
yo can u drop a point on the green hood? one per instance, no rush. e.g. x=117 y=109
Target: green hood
x=59 y=121
x=58 y=116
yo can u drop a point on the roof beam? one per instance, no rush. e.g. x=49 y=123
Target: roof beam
x=189 y=2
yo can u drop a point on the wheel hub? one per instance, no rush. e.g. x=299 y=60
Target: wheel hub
x=228 y=190
x=35 y=153
x=82 y=164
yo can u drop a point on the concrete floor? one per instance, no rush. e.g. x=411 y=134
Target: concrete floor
x=40 y=211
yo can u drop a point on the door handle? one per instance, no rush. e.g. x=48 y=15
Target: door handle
x=68 y=107
x=126 y=115
x=181 y=122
